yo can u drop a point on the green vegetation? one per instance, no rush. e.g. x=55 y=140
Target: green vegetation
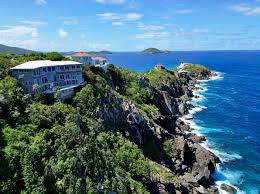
x=153 y=51
x=170 y=148
x=14 y=50
x=99 y=52
x=159 y=78
x=195 y=68
x=63 y=147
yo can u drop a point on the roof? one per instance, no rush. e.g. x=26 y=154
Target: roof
x=80 y=54
x=99 y=58
x=182 y=71
x=44 y=63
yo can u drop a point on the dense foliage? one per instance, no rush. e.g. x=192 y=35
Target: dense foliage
x=61 y=147
x=13 y=50
x=195 y=68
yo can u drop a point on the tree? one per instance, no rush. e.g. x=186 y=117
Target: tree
x=54 y=56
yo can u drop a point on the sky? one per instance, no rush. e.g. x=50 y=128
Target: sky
x=130 y=25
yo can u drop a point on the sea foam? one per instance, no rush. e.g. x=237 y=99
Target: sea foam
x=220 y=175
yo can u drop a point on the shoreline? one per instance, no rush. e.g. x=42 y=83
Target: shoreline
x=197 y=88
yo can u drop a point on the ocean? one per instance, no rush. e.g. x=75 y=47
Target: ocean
x=229 y=108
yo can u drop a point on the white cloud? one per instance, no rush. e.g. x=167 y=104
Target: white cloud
x=154 y=35
x=240 y=7
x=118 y=24
x=40 y=2
x=151 y=31
x=133 y=16
x=253 y=11
x=69 y=21
x=21 y=36
x=149 y=27
x=62 y=33
x=33 y=23
x=246 y=9
x=86 y=45
x=111 y=1
x=109 y=16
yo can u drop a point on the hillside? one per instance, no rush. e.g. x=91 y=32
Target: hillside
x=13 y=50
x=154 y=51
x=121 y=133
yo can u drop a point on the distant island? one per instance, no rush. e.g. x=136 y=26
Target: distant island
x=100 y=52
x=13 y=50
x=154 y=51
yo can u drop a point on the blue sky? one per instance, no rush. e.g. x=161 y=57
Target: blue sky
x=130 y=25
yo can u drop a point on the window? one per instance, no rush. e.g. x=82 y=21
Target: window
x=73 y=66
x=44 y=69
x=53 y=68
x=67 y=76
x=49 y=69
x=44 y=80
x=78 y=66
x=62 y=68
x=67 y=67
x=61 y=76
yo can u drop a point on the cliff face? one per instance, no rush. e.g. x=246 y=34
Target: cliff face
x=166 y=99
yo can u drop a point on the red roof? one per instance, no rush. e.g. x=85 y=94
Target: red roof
x=99 y=59
x=80 y=54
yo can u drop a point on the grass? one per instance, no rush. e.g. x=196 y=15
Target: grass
x=196 y=68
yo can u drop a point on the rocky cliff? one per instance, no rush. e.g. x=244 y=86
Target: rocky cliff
x=148 y=108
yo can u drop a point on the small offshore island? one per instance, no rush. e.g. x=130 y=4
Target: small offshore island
x=154 y=51
x=122 y=132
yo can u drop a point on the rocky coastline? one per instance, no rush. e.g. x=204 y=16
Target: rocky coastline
x=191 y=163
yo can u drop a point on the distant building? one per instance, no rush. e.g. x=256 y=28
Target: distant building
x=99 y=61
x=159 y=66
x=82 y=57
x=182 y=65
x=183 y=73
x=44 y=76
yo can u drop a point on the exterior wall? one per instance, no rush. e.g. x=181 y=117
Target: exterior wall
x=67 y=93
x=86 y=60
x=97 y=62
x=44 y=79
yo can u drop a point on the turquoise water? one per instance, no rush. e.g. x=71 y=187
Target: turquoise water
x=230 y=114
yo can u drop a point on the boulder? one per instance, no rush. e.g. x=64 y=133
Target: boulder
x=143 y=82
x=183 y=109
x=201 y=174
x=229 y=189
x=205 y=157
x=196 y=138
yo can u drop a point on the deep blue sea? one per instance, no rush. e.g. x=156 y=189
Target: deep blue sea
x=230 y=116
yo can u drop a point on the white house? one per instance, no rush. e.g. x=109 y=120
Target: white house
x=82 y=57
x=99 y=61
x=44 y=76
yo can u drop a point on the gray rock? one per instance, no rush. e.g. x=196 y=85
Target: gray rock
x=229 y=189
x=143 y=82
x=196 y=138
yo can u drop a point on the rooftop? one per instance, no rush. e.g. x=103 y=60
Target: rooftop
x=80 y=54
x=44 y=63
x=99 y=58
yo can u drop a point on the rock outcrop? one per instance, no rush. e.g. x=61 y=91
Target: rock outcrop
x=229 y=189
x=192 y=163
